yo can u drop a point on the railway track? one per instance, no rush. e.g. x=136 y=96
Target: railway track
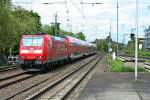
x=31 y=86
x=11 y=76
x=131 y=59
x=60 y=89
x=8 y=68
x=147 y=67
x=5 y=82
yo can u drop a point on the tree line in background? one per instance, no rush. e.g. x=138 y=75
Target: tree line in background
x=51 y=29
x=102 y=44
x=16 y=20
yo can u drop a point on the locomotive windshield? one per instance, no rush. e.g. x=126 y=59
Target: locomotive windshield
x=32 y=41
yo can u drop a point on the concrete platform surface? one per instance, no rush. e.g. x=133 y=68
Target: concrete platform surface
x=117 y=86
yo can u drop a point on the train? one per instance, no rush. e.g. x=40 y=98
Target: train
x=39 y=52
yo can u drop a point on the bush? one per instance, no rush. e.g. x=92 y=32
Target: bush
x=117 y=66
x=142 y=53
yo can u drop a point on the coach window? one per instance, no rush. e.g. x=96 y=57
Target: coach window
x=49 y=43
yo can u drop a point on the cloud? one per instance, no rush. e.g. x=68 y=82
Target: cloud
x=90 y=16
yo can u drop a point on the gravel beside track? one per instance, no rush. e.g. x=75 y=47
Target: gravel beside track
x=60 y=91
x=14 y=80
x=9 y=73
x=8 y=68
x=29 y=86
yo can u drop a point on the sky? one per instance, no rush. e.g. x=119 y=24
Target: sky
x=95 y=21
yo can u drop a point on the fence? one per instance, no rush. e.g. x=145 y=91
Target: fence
x=3 y=60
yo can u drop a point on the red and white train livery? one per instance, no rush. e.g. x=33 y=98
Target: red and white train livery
x=39 y=52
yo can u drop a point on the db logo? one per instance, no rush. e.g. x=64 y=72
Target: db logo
x=31 y=50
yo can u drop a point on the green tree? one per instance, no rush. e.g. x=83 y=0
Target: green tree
x=81 y=36
x=5 y=2
x=37 y=19
x=102 y=44
x=51 y=30
x=71 y=34
x=8 y=28
x=26 y=21
x=130 y=48
x=13 y=23
x=48 y=29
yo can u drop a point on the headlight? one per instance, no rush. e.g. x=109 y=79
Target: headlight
x=39 y=57
x=22 y=57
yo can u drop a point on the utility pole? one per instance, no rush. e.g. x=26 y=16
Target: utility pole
x=68 y=26
x=10 y=52
x=124 y=43
x=56 y=24
x=109 y=43
x=136 y=43
x=117 y=27
x=82 y=28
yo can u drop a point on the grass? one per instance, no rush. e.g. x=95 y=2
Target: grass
x=141 y=53
x=148 y=61
x=117 y=66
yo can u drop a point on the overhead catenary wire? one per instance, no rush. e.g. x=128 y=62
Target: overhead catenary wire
x=78 y=3
x=147 y=3
x=78 y=9
x=27 y=7
x=82 y=8
x=31 y=3
x=68 y=20
x=82 y=14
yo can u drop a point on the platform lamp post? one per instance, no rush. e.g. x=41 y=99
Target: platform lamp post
x=136 y=44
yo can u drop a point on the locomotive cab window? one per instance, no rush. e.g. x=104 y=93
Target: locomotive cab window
x=57 y=38
x=49 y=44
x=32 y=41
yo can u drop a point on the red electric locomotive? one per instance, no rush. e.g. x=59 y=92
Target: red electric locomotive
x=39 y=52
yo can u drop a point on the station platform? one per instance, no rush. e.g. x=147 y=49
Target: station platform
x=116 y=86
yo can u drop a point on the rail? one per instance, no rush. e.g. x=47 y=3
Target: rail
x=7 y=68
x=58 y=81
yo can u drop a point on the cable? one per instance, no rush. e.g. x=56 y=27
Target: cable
x=83 y=16
x=26 y=7
x=68 y=21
